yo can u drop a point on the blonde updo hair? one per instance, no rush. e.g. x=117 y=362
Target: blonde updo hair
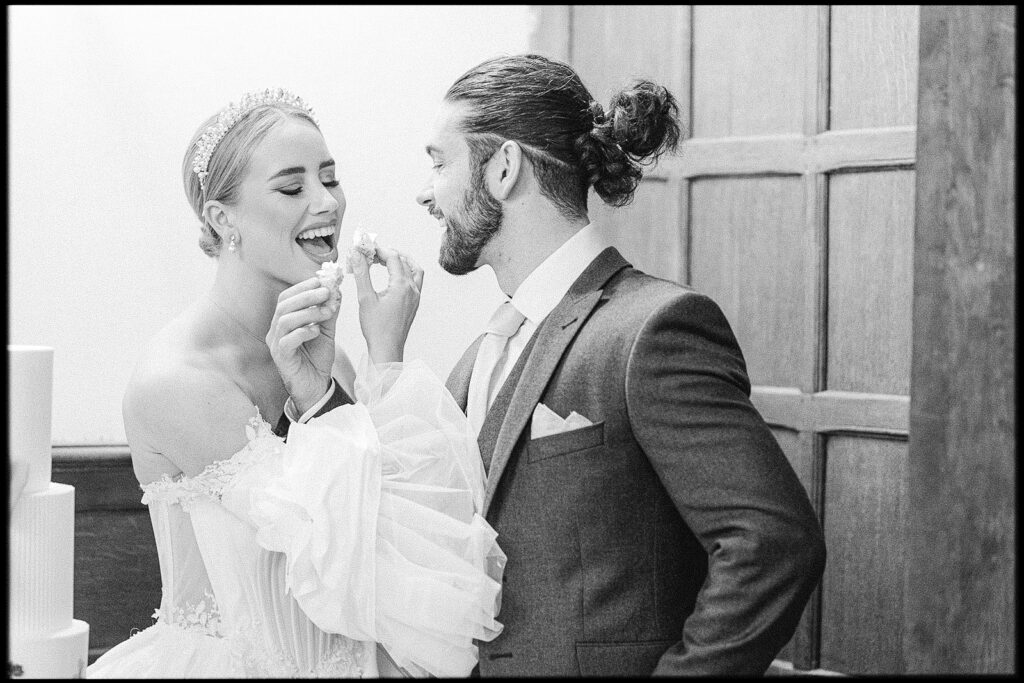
x=229 y=162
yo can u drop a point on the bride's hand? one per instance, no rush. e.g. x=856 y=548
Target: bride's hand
x=385 y=317
x=301 y=341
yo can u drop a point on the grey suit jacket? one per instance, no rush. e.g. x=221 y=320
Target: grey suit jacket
x=672 y=536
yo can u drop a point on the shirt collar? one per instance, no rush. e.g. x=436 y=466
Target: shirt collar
x=549 y=282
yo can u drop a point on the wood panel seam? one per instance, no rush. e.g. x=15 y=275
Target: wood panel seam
x=791 y=154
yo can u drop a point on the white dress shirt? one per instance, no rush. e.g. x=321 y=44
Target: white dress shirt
x=542 y=289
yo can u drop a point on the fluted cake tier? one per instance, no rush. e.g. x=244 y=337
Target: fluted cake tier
x=42 y=562
x=44 y=641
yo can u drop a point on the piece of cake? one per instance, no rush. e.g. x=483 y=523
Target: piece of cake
x=331 y=274
x=366 y=244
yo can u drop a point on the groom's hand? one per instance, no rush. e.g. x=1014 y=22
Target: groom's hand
x=301 y=341
x=385 y=317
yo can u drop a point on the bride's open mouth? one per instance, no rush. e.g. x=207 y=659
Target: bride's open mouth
x=319 y=242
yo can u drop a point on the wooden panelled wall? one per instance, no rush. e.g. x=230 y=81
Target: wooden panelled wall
x=791 y=204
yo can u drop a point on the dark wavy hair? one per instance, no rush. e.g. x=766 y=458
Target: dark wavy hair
x=572 y=142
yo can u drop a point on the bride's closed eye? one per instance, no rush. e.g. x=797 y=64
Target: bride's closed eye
x=291 y=192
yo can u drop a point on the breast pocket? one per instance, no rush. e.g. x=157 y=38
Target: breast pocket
x=565 y=443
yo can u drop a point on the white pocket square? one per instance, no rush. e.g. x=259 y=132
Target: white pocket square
x=547 y=422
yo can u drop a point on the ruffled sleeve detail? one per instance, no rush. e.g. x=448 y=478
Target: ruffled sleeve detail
x=376 y=506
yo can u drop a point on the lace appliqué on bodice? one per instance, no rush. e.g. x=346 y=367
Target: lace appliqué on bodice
x=255 y=658
x=211 y=482
x=202 y=617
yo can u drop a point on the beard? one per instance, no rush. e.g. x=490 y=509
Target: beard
x=470 y=229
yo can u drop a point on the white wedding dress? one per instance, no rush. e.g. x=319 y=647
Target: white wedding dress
x=297 y=558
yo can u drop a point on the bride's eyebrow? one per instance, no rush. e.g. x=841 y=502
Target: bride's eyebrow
x=298 y=169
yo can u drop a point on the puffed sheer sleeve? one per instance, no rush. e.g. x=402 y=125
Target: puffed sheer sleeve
x=376 y=506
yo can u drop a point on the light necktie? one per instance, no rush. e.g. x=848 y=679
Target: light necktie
x=491 y=355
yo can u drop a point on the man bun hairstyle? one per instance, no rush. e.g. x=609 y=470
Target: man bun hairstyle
x=570 y=140
x=642 y=123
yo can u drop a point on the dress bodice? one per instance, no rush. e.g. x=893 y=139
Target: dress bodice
x=219 y=583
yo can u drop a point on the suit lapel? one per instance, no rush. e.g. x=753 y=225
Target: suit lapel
x=553 y=337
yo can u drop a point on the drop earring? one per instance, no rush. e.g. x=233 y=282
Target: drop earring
x=233 y=244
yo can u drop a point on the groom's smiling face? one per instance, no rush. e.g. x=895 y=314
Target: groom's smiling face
x=456 y=194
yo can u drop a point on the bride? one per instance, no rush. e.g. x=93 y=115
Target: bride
x=346 y=544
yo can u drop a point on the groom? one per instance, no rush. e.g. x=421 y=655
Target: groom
x=651 y=522
x=659 y=529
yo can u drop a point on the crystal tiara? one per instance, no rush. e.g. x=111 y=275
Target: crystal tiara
x=232 y=114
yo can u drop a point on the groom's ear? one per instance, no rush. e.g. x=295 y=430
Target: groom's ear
x=505 y=169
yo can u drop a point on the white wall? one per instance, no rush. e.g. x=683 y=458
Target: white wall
x=103 y=101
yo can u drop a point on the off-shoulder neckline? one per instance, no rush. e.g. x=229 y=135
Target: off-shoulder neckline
x=257 y=427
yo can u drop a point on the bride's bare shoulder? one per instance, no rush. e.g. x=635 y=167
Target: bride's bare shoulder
x=171 y=364
x=181 y=410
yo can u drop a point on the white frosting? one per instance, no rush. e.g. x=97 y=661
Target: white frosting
x=44 y=640
x=30 y=393
x=331 y=274
x=366 y=244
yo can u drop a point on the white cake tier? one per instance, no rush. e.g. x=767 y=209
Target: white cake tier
x=30 y=396
x=42 y=561
x=63 y=654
